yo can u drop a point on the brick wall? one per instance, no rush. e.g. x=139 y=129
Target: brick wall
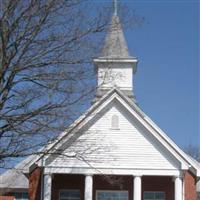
x=35 y=184
x=62 y=181
x=165 y=184
x=7 y=198
x=190 y=186
x=113 y=183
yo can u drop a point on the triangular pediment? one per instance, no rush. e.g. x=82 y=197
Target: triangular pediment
x=91 y=143
x=100 y=145
x=94 y=143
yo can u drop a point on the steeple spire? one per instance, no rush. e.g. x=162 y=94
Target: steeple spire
x=115 y=7
x=115 y=44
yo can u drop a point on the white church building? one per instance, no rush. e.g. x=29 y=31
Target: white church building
x=114 y=151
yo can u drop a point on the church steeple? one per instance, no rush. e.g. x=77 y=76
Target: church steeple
x=114 y=65
x=115 y=44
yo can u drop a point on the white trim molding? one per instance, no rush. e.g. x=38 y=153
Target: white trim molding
x=112 y=171
x=47 y=186
x=178 y=188
x=88 y=187
x=137 y=188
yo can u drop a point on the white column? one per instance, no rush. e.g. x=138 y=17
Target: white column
x=178 y=190
x=137 y=188
x=47 y=186
x=88 y=187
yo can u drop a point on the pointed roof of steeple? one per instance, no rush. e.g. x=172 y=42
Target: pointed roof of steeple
x=115 y=45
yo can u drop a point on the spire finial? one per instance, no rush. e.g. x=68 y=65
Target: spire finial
x=115 y=7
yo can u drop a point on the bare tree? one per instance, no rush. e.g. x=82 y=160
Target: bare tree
x=45 y=52
x=46 y=47
x=193 y=151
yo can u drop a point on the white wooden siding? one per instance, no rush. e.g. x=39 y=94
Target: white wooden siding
x=130 y=146
x=120 y=76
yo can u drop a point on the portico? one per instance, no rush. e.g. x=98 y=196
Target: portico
x=97 y=187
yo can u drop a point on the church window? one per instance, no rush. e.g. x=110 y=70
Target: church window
x=115 y=122
x=111 y=195
x=69 y=195
x=21 y=195
x=154 y=195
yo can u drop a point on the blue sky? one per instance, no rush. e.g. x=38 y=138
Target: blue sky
x=167 y=81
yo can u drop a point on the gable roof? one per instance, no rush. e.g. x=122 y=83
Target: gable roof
x=15 y=178
x=133 y=108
